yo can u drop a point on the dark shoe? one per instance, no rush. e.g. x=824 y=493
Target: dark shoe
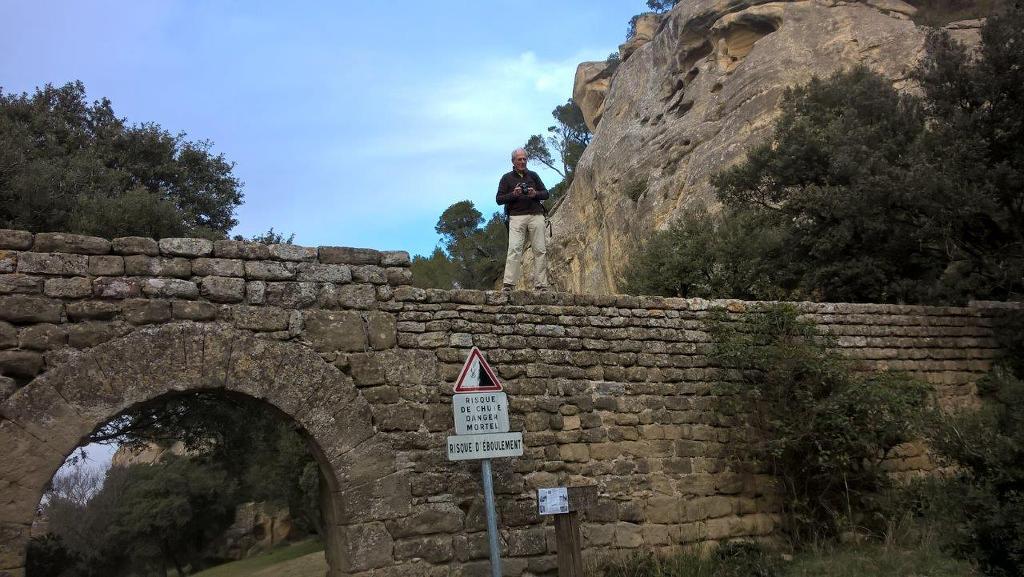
x=507 y=288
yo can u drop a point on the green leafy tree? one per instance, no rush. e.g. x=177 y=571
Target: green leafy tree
x=476 y=250
x=661 y=6
x=975 y=154
x=434 y=271
x=473 y=253
x=839 y=182
x=264 y=452
x=66 y=165
x=568 y=138
x=269 y=237
x=169 y=511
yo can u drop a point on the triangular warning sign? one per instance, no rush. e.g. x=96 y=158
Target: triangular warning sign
x=476 y=375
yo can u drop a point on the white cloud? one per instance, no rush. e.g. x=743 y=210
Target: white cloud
x=491 y=105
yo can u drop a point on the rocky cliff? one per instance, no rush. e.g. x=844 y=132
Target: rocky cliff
x=697 y=88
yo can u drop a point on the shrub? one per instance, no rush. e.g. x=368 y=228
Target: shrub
x=635 y=189
x=706 y=255
x=820 y=429
x=984 y=500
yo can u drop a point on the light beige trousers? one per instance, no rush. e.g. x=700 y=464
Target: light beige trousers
x=520 y=228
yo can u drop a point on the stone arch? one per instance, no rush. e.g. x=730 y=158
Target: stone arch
x=43 y=422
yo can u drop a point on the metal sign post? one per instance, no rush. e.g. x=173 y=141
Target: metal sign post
x=492 y=518
x=480 y=409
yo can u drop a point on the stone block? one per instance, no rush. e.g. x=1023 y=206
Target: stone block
x=575 y=452
x=240 y=249
x=106 y=265
x=8 y=261
x=221 y=289
x=410 y=294
x=20 y=284
x=595 y=535
x=347 y=255
x=261 y=318
x=335 y=331
x=42 y=337
x=316 y=272
x=8 y=336
x=364 y=546
x=664 y=509
x=269 y=270
x=387 y=498
x=7 y=387
x=53 y=263
x=144 y=311
x=628 y=536
x=30 y=309
x=369 y=274
x=193 y=310
x=70 y=243
x=135 y=245
x=526 y=542
x=401 y=417
x=190 y=247
x=89 y=334
x=13 y=542
x=138 y=265
x=227 y=267
x=256 y=292
x=398 y=258
x=24 y=364
x=435 y=548
x=292 y=252
x=292 y=295
x=15 y=239
x=366 y=370
x=428 y=519
x=381 y=330
x=116 y=288
x=70 y=288
x=170 y=288
x=351 y=296
x=399 y=276
x=93 y=310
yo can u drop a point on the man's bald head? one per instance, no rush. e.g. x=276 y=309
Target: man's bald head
x=519 y=159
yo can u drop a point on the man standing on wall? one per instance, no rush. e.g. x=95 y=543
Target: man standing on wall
x=521 y=191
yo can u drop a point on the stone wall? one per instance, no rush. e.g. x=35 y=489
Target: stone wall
x=608 y=390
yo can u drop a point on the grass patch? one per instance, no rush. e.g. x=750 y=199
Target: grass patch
x=878 y=561
x=875 y=560
x=247 y=567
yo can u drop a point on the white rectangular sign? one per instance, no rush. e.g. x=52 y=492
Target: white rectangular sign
x=478 y=413
x=467 y=447
x=553 y=501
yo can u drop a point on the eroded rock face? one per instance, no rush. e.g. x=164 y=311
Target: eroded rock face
x=692 y=101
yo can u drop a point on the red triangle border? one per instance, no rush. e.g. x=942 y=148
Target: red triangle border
x=487 y=368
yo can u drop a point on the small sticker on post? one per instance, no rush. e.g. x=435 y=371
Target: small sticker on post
x=553 y=501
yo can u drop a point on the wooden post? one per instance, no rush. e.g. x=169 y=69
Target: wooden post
x=569 y=544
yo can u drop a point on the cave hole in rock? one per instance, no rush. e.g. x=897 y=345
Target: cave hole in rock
x=736 y=39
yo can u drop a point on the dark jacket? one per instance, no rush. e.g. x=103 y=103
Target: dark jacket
x=522 y=205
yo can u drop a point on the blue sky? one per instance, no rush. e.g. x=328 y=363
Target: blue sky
x=351 y=123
